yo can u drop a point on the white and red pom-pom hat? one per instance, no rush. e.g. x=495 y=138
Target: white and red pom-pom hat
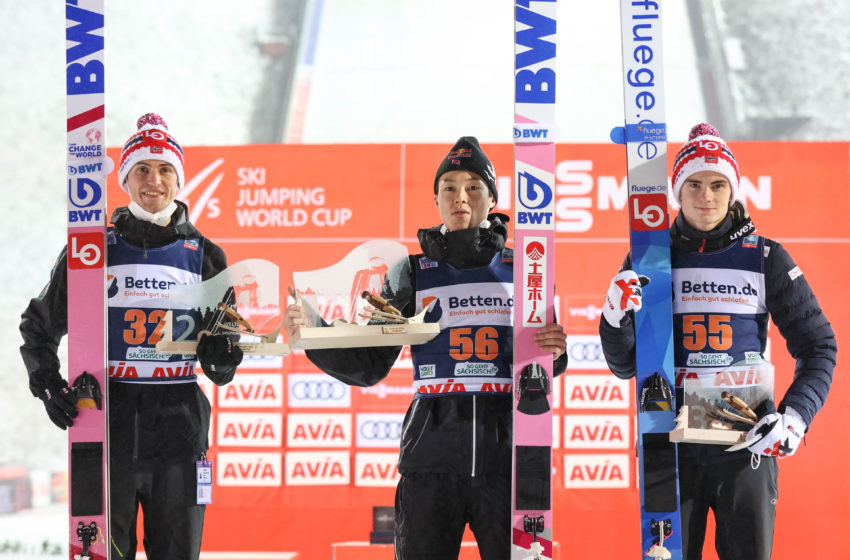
x=705 y=150
x=152 y=141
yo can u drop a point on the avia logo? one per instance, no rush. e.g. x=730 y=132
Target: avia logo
x=595 y=391
x=315 y=468
x=732 y=377
x=596 y=431
x=249 y=469
x=596 y=471
x=199 y=190
x=535 y=250
x=376 y=469
x=249 y=429
x=187 y=369
x=256 y=391
x=318 y=430
x=112 y=286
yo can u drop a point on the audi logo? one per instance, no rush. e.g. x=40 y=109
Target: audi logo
x=380 y=429
x=585 y=351
x=317 y=390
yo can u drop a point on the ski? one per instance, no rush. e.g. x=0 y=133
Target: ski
x=645 y=137
x=87 y=168
x=534 y=244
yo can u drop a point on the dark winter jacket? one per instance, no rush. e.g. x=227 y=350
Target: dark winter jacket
x=791 y=303
x=459 y=434
x=45 y=322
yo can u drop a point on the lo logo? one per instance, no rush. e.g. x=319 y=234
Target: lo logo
x=648 y=211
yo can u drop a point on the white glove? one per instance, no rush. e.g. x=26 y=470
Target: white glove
x=624 y=294
x=781 y=434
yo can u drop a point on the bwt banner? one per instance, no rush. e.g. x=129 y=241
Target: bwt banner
x=300 y=459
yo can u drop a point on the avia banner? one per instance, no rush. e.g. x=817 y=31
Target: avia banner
x=300 y=459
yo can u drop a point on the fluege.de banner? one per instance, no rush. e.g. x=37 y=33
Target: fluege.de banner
x=300 y=459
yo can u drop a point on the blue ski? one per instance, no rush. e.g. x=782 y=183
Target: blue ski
x=645 y=137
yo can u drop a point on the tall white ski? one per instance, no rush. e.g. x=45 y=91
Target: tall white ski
x=87 y=168
x=534 y=268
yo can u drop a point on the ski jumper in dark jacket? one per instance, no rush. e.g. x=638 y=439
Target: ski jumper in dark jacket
x=158 y=422
x=455 y=458
x=742 y=498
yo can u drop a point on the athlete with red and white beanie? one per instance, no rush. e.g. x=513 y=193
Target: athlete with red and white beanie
x=158 y=423
x=713 y=243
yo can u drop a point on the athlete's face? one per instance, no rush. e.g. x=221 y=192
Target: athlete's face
x=463 y=199
x=706 y=197
x=152 y=184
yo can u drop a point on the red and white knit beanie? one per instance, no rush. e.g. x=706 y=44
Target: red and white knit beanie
x=705 y=150
x=152 y=141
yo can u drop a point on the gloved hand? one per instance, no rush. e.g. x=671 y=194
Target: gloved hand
x=624 y=295
x=60 y=403
x=781 y=434
x=219 y=357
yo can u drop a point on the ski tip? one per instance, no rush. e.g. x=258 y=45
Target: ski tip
x=618 y=135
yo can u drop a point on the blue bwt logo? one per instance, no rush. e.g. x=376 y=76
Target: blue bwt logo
x=85 y=193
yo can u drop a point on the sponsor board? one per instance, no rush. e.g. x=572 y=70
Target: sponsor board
x=379 y=429
x=597 y=431
x=584 y=471
x=376 y=469
x=596 y=391
x=316 y=390
x=249 y=429
x=318 y=430
x=252 y=390
x=584 y=351
x=318 y=468
x=248 y=469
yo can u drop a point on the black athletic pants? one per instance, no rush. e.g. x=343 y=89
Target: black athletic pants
x=156 y=433
x=432 y=510
x=744 y=503
x=166 y=492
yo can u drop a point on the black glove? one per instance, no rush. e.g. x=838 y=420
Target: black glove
x=60 y=403
x=219 y=357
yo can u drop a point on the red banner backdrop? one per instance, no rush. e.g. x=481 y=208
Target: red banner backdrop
x=299 y=461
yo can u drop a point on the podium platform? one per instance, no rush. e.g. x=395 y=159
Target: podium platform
x=238 y=555
x=360 y=550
